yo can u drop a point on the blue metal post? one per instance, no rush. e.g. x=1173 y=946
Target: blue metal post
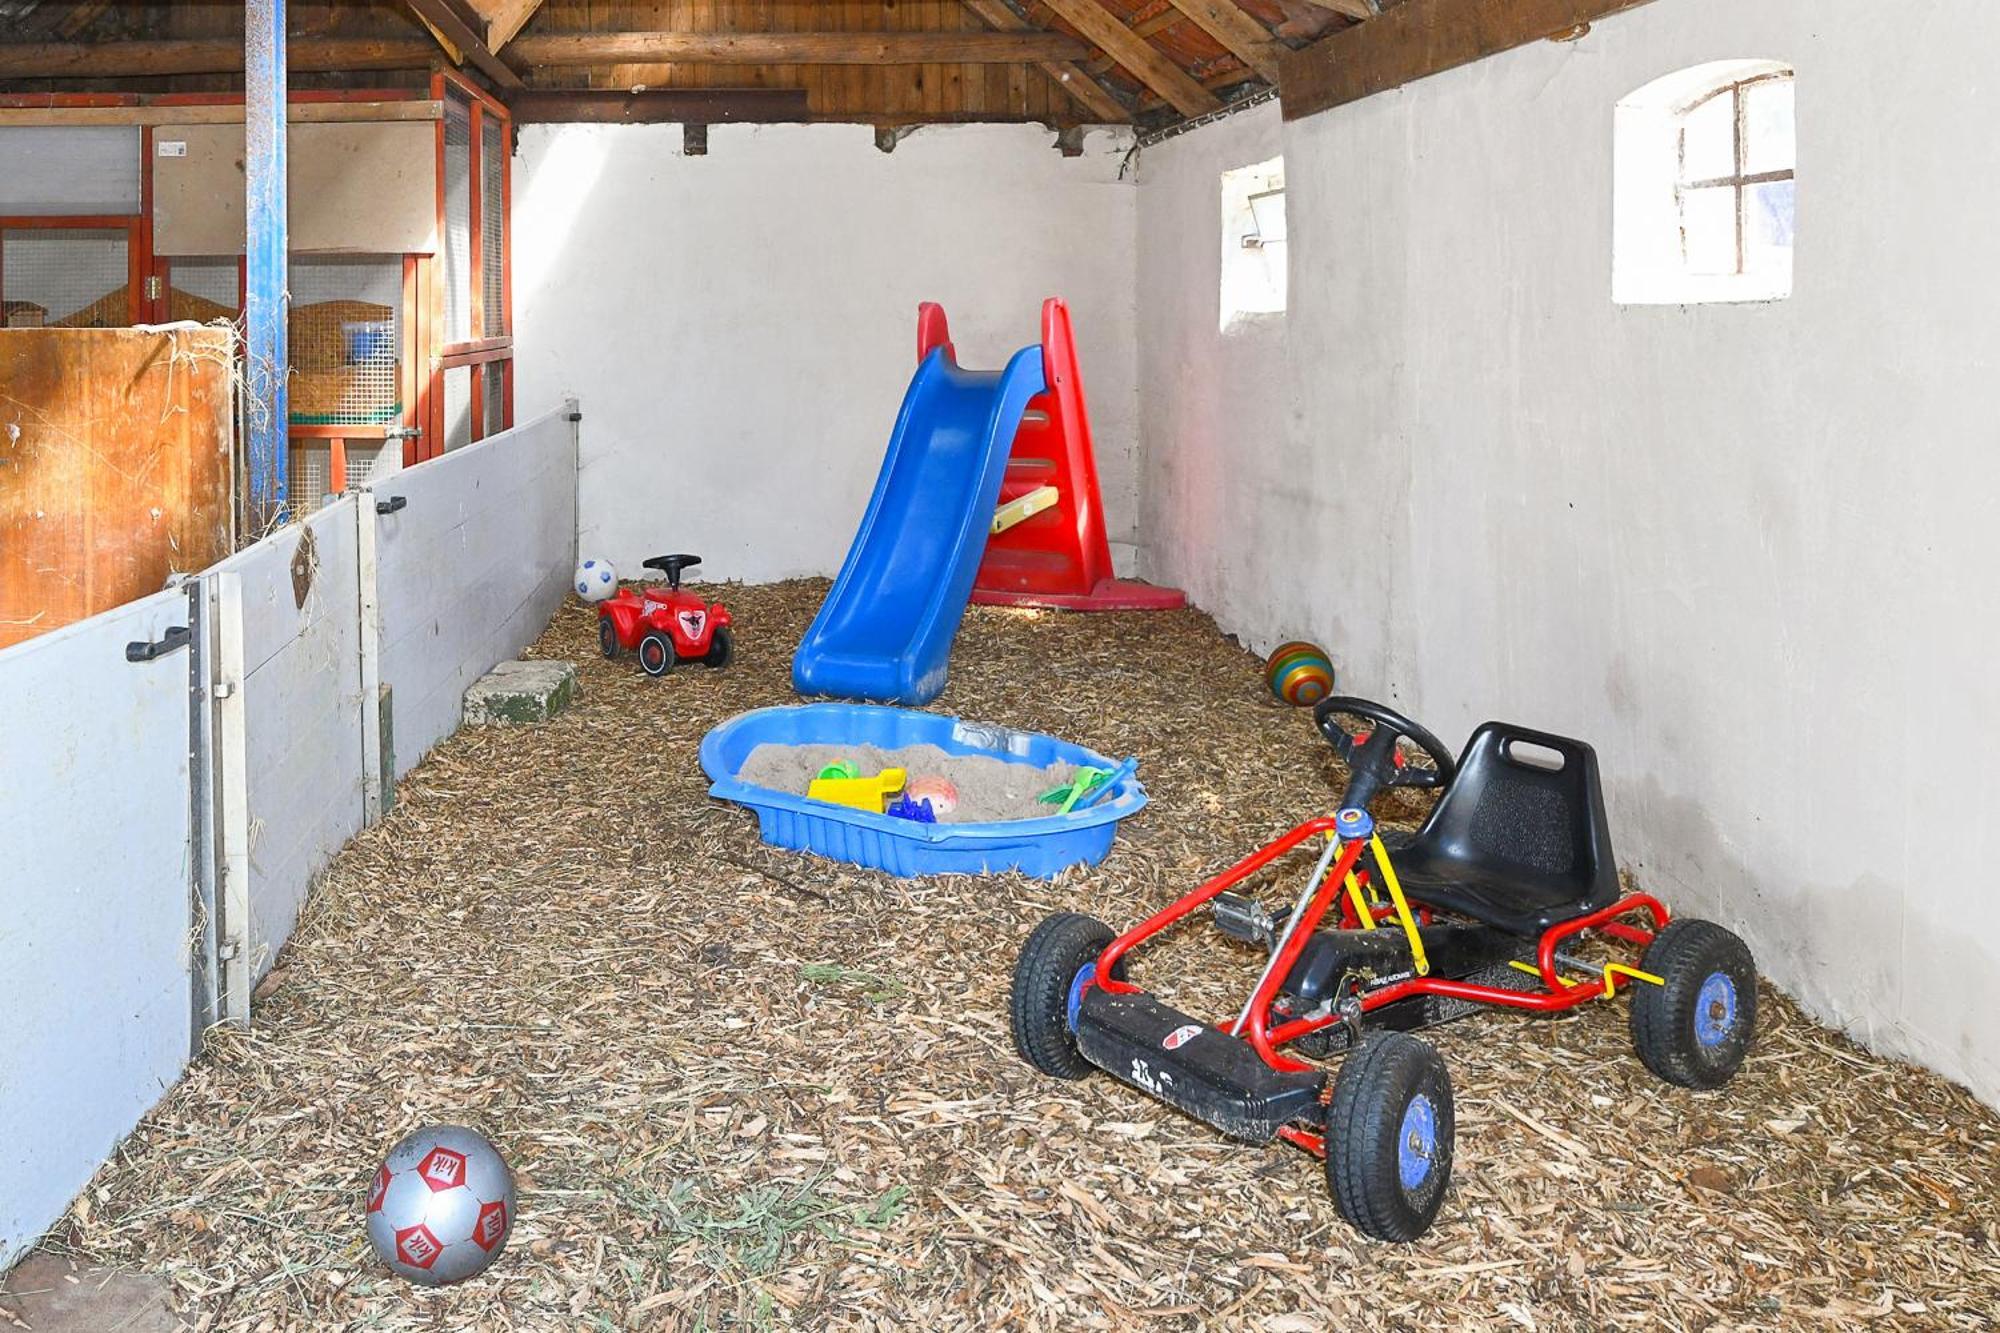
x=268 y=359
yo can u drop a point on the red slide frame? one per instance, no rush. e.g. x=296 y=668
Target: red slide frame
x=1061 y=556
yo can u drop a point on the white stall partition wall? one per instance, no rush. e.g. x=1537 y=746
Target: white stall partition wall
x=303 y=767
x=473 y=555
x=94 y=901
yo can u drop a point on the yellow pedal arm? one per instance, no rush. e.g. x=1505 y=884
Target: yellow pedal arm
x=1403 y=913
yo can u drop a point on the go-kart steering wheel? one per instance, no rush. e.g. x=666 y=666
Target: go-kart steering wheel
x=1372 y=760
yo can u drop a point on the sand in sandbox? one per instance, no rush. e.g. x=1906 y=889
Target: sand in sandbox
x=988 y=789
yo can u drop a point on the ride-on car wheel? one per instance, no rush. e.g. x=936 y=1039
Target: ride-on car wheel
x=1389 y=1136
x=656 y=653
x=607 y=637
x=1696 y=1029
x=1045 y=977
x=721 y=649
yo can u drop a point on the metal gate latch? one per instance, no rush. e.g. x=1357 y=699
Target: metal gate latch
x=177 y=637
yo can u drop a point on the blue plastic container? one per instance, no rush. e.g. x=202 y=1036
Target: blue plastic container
x=1041 y=847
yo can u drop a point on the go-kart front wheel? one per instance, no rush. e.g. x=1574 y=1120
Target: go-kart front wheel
x=656 y=653
x=607 y=637
x=1044 y=976
x=721 y=649
x=1389 y=1135
x=1695 y=1030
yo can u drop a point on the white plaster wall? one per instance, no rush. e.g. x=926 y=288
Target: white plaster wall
x=1745 y=550
x=742 y=325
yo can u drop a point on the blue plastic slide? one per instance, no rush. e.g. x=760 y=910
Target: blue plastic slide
x=885 y=630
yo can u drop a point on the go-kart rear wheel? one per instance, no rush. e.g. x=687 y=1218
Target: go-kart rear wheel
x=656 y=653
x=1389 y=1135
x=1695 y=1030
x=721 y=650
x=607 y=637
x=1045 y=977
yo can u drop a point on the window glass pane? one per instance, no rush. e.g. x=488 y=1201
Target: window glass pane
x=1767 y=226
x=1771 y=134
x=1267 y=210
x=457 y=407
x=1708 y=229
x=1708 y=149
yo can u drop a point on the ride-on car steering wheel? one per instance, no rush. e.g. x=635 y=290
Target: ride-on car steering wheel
x=1373 y=762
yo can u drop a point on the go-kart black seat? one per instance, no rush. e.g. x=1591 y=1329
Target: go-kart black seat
x=1519 y=839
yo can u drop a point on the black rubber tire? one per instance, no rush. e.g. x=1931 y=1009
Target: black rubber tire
x=1038 y=1005
x=656 y=653
x=607 y=638
x=1372 y=1095
x=1666 y=1019
x=721 y=650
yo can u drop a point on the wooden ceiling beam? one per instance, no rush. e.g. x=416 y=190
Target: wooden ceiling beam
x=1419 y=38
x=1145 y=61
x=1065 y=74
x=686 y=106
x=1240 y=35
x=120 y=60
x=1354 y=9
x=796 y=48
x=462 y=32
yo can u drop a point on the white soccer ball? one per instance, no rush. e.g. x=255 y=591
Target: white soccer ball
x=441 y=1206
x=595 y=580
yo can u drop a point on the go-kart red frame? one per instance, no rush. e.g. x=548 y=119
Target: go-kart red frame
x=1558 y=994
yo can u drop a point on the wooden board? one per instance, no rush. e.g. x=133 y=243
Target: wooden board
x=355 y=189
x=1419 y=38
x=114 y=467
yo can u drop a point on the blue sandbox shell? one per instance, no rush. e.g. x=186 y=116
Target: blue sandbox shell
x=1042 y=847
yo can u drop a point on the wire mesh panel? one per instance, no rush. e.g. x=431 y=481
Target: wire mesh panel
x=493 y=227
x=204 y=290
x=308 y=474
x=457 y=407
x=457 y=252
x=65 y=277
x=493 y=416
x=346 y=340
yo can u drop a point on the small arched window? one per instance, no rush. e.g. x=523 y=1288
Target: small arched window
x=1704 y=194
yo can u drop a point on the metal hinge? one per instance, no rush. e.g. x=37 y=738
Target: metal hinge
x=403 y=433
x=392 y=504
x=143 y=651
x=153 y=291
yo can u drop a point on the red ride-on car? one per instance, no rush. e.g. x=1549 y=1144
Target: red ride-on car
x=666 y=625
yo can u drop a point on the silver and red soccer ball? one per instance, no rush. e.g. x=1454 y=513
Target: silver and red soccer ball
x=441 y=1205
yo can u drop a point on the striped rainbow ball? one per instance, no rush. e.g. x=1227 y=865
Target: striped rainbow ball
x=1299 y=673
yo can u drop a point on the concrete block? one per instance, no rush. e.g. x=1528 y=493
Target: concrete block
x=520 y=692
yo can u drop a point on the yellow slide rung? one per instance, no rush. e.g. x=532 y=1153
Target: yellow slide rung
x=1403 y=913
x=1022 y=509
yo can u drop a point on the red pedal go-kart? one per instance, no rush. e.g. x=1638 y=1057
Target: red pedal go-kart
x=666 y=625
x=1488 y=903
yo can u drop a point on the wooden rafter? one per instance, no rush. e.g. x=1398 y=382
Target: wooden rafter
x=797 y=48
x=462 y=32
x=1065 y=74
x=504 y=19
x=1146 y=62
x=1419 y=38
x=1354 y=9
x=1240 y=35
